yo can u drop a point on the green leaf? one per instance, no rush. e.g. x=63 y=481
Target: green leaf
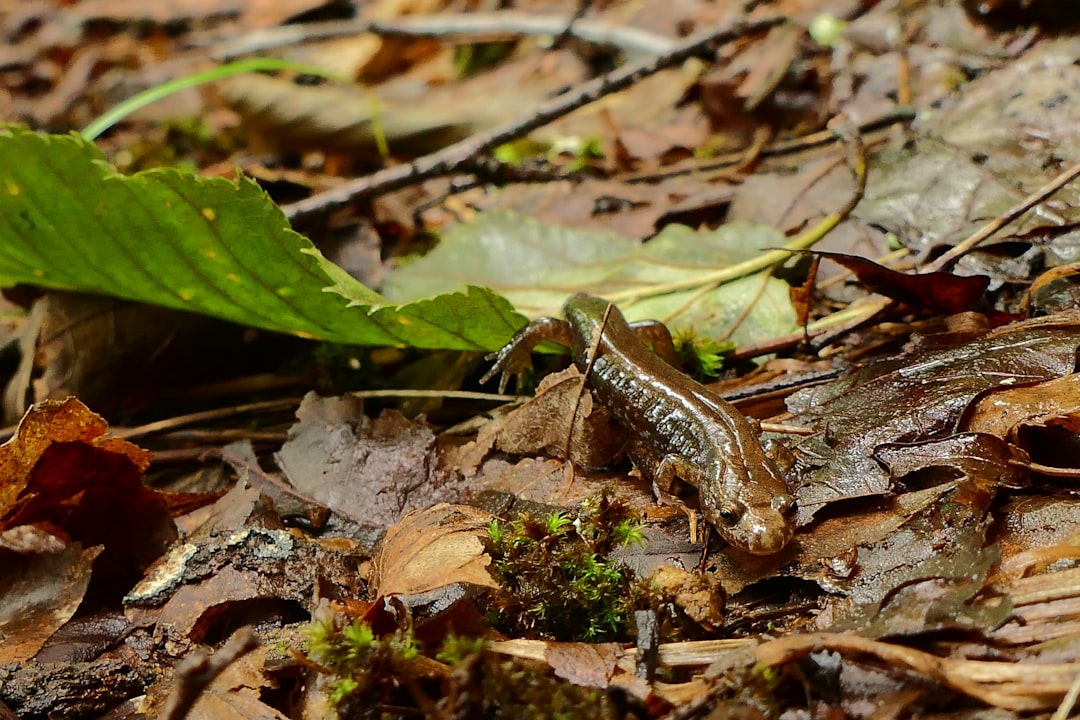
x=208 y=245
x=537 y=266
x=514 y=256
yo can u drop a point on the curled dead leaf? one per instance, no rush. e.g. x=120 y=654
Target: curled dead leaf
x=433 y=548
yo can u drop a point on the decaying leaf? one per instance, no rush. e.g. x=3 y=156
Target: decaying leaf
x=39 y=593
x=586 y=664
x=697 y=595
x=560 y=416
x=236 y=693
x=373 y=471
x=982 y=458
x=61 y=472
x=919 y=396
x=433 y=548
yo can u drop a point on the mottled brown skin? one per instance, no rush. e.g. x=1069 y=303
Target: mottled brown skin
x=681 y=428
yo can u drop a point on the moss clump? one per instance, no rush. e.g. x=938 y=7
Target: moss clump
x=368 y=669
x=483 y=686
x=373 y=674
x=556 y=577
x=702 y=358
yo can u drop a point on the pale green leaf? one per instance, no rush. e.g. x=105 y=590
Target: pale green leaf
x=537 y=266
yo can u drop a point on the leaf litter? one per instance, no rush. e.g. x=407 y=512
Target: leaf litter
x=934 y=570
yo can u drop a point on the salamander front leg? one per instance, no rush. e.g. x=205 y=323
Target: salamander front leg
x=670 y=468
x=515 y=357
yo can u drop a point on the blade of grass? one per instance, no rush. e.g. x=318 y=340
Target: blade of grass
x=152 y=95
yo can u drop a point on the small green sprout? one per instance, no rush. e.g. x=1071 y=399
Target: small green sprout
x=627 y=533
x=456 y=648
x=496 y=534
x=557 y=523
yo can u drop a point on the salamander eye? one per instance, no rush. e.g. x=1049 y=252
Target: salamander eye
x=785 y=505
x=729 y=514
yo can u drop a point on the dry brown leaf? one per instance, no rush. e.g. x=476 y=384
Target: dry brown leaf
x=372 y=471
x=543 y=426
x=414 y=113
x=587 y=664
x=39 y=593
x=433 y=548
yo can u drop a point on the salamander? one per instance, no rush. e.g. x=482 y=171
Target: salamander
x=680 y=429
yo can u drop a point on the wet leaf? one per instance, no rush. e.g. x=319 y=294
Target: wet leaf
x=1042 y=418
x=981 y=458
x=937 y=292
x=937 y=595
x=1032 y=522
x=919 y=396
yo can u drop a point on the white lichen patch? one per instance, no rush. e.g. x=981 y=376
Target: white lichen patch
x=262 y=543
x=161 y=581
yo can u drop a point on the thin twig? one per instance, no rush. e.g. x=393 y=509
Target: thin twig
x=568 y=31
x=456 y=27
x=196 y=671
x=173 y=423
x=461 y=155
x=1068 y=702
x=946 y=260
x=776 y=149
x=590 y=357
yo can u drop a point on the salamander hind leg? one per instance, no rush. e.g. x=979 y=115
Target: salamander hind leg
x=656 y=335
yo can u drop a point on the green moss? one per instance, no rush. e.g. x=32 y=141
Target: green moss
x=367 y=668
x=456 y=648
x=373 y=673
x=518 y=691
x=702 y=358
x=556 y=577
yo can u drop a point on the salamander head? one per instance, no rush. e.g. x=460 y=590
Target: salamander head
x=759 y=519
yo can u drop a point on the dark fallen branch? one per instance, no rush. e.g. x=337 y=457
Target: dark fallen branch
x=460 y=156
